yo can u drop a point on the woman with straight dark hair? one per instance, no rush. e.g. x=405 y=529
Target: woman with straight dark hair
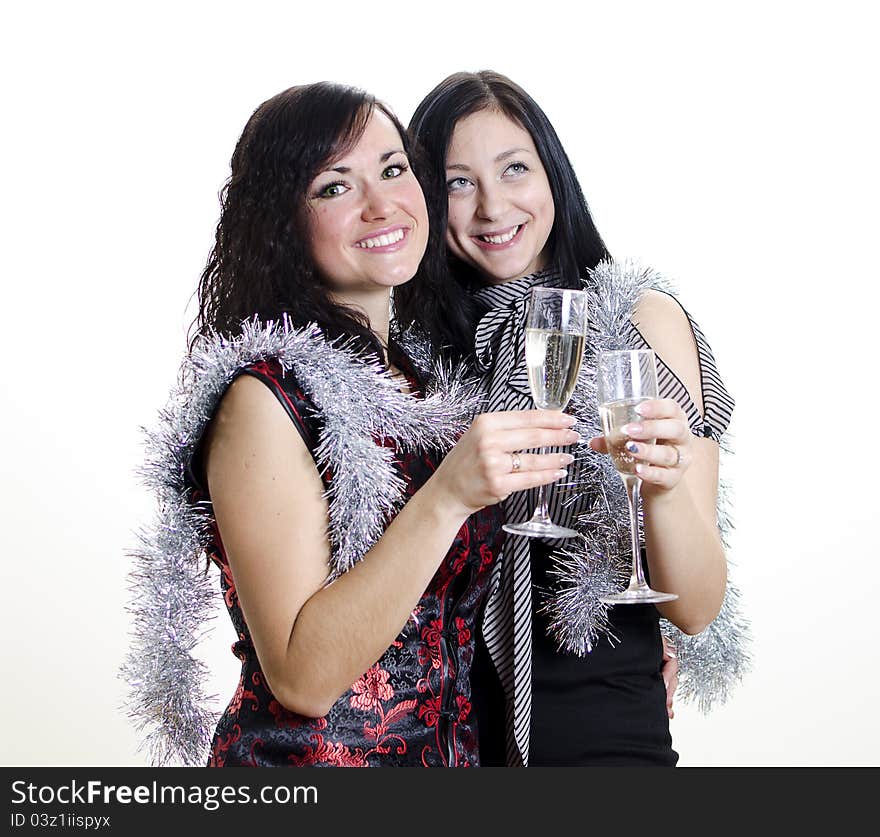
x=582 y=683
x=304 y=454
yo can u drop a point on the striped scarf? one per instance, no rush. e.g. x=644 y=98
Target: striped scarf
x=507 y=622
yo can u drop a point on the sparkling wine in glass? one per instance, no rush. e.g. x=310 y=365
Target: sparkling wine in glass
x=556 y=329
x=625 y=379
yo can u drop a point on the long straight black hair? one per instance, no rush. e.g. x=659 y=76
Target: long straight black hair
x=261 y=264
x=575 y=243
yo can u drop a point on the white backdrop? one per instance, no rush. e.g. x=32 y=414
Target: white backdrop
x=735 y=150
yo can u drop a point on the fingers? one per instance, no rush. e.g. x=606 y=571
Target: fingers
x=529 y=438
x=518 y=419
x=672 y=430
x=670 y=674
x=544 y=462
x=598 y=444
x=655 y=475
x=659 y=408
x=663 y=456
x=524 y=480
x=670 y=678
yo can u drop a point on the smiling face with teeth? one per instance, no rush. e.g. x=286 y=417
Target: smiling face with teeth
x=367 y=219
x=501 y=208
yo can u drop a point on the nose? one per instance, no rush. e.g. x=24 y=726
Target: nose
x=377 y=205
x=491 y=203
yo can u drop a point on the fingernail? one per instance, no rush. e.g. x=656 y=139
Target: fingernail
x=566 y=458
x=643 y=409
x=573 y=436
x=631 y=429
x=641 y=469
x=665 y=682
x=570 y=419
x=632 y=447
x=561 y=473
x=670 y=652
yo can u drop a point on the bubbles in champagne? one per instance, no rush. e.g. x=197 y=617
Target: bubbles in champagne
x=615 y=415
x=554 y=360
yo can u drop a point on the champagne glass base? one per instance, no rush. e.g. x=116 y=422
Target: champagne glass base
x=639 y=595
x=536 y=529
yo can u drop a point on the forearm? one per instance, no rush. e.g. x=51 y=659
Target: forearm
x=685 y=556
x=345 y=627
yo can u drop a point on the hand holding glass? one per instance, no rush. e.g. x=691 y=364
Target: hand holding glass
x=556 y=329
x=625 y=379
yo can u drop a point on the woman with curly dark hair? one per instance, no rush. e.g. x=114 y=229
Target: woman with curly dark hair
x=354 y=554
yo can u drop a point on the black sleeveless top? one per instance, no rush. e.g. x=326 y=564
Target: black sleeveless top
x=607 y=708
x=413 y=706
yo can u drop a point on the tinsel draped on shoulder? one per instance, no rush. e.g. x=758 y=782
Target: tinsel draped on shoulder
x=172 y=599
x=712 y=662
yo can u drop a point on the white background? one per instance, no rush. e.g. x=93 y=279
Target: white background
x=732 y=146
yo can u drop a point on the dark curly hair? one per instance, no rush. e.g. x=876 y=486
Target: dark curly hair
x=575 y=243
x=261 y=266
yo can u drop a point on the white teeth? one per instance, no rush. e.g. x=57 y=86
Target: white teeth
x=381 y=240
x=501 y=239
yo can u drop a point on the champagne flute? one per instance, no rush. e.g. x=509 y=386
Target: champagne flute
x=625 y=379
x=556 y=329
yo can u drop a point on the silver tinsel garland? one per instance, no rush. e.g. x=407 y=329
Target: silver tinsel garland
x=172 y=598
x=599 y=562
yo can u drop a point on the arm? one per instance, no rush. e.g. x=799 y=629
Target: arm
x=682 y=541
x=313 y=641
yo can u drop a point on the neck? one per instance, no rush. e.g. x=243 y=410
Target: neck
x=376 y=306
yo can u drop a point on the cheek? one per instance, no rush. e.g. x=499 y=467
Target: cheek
x=545 y=211
x=325 y=229
x=456 y=219
x=418 y=209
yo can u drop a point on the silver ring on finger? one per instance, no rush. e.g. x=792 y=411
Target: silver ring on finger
x=515 y=463
x=677 y=456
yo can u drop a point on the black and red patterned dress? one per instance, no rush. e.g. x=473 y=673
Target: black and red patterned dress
x=413 y=706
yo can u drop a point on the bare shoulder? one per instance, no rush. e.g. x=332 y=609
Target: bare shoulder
x=667 y=329
x=249 y=414
x=246 y=399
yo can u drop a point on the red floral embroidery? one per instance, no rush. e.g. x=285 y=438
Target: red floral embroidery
x=371 y=690
x=231 y=595
x=430 y=655
x=429 y=711
x=487 y=556
x=464 y=633
x=221 y=745
x=431 y=633
x=464 y=708
x=460 y=560
x=329 y=752
x=241 y=694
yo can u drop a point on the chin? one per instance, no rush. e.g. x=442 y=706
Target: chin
x=497 y=273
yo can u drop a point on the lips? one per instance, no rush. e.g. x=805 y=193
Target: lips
x=384 y=241
x=499 y=239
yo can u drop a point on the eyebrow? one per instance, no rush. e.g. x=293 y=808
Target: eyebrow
x=502 y=156
x=383 y=158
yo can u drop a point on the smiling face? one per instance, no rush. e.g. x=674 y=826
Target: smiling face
x=501 y=208
x=367 y=220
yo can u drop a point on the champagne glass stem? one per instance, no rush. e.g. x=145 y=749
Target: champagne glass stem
x=541 y=514
x=633 y=485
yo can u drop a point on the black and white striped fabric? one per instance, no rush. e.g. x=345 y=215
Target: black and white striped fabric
x=500 y=350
